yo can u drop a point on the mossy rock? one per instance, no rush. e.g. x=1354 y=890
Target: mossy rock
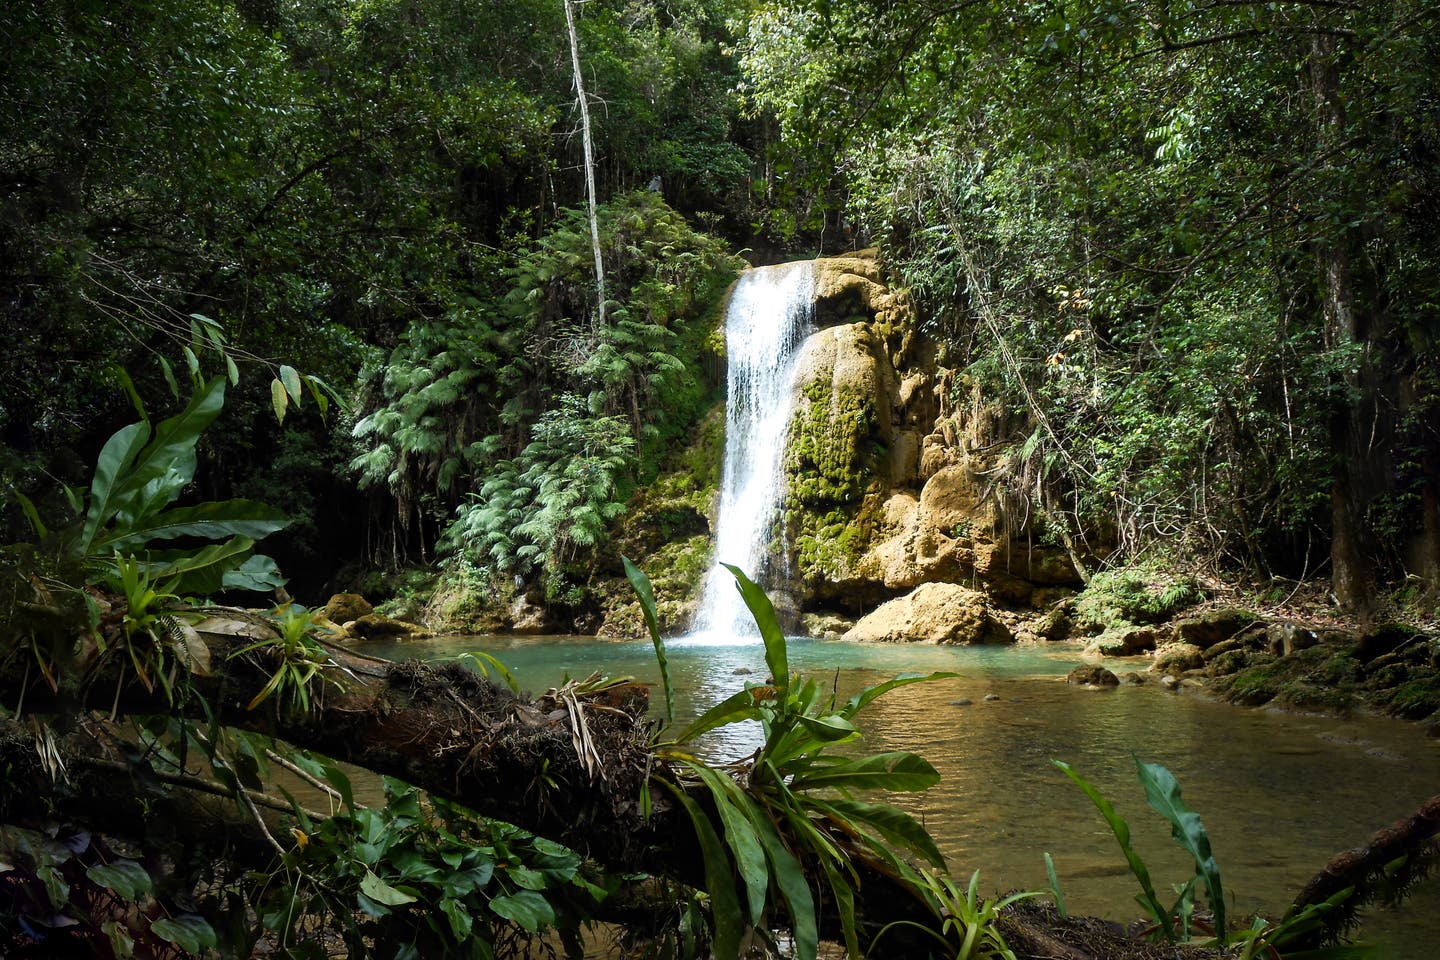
x=1214 y=626
x=1124 y=642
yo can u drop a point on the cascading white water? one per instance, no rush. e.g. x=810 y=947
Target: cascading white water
x=768 y=319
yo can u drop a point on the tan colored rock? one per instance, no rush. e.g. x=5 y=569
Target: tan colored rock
x=933 y=613
x=1173 y=659
x=343 y=607
x=903 y=466
x=377 y=626
x=1124 y=643
x=953 y=500
x=837 y=278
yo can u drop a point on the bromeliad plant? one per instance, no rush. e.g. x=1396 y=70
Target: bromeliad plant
x=791 y=808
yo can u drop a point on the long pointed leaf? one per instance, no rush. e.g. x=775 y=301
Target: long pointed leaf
x=896 y=770
x=1121 y=829
x=740 y=836
x=1162 y=790
x=864 y=697
x=790 y=879
x=719 y=881
x=733 y=709
x=776 y=657
x=211 y=521
x=641 y=584
x=892 y=823
x=115 y=459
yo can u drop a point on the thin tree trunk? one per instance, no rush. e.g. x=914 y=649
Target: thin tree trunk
x=589 y=164
x=1350 y=577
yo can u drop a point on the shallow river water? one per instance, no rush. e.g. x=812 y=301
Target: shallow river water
x=1279 y=793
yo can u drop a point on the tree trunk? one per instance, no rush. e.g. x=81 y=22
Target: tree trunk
x=589 y=164
x=1351 y=580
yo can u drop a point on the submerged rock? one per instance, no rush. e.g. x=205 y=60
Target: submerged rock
x=934 y=613
x=1092 y=675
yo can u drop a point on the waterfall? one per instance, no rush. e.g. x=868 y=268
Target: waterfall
x=768 y=318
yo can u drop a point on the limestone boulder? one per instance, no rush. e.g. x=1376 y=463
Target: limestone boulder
x=845 y=286
x=1174 y=659
x=933 y=613
x=1213 y=626
x=1125 y=642
x=375 y=626
x=954 y=502
x=842 y=418
x=344 y=607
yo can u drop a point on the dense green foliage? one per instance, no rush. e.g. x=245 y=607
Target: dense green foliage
x=545 y=416
x=1195 y=243
x=322 y=178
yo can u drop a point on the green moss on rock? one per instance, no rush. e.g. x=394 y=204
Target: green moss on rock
x=825 y=460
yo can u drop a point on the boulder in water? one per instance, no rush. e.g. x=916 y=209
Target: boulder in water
x=933 y=613
x=1092 y=675
x=375 y=626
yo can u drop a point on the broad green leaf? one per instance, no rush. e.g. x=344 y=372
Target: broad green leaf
x=279 y=399
x=896 y=770
x=733 y=709
x=830 y=728
x=1162 y=790
x=115 y=459
x=291 y=380
x=125 y=877
x=1121 y=829
x=459 y=917
x=790 y=879
x=121 y=943
x=258 y=573
x=201 y=571
x=232 y=371
x=381 y=892
x=740 y=836
x=163 y=468
x=192 y=362
x=641 y=585
x=213 y=520
x=187 y=931
x=527 y=908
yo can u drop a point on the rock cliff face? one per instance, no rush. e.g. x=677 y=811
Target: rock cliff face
x=892 y=468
